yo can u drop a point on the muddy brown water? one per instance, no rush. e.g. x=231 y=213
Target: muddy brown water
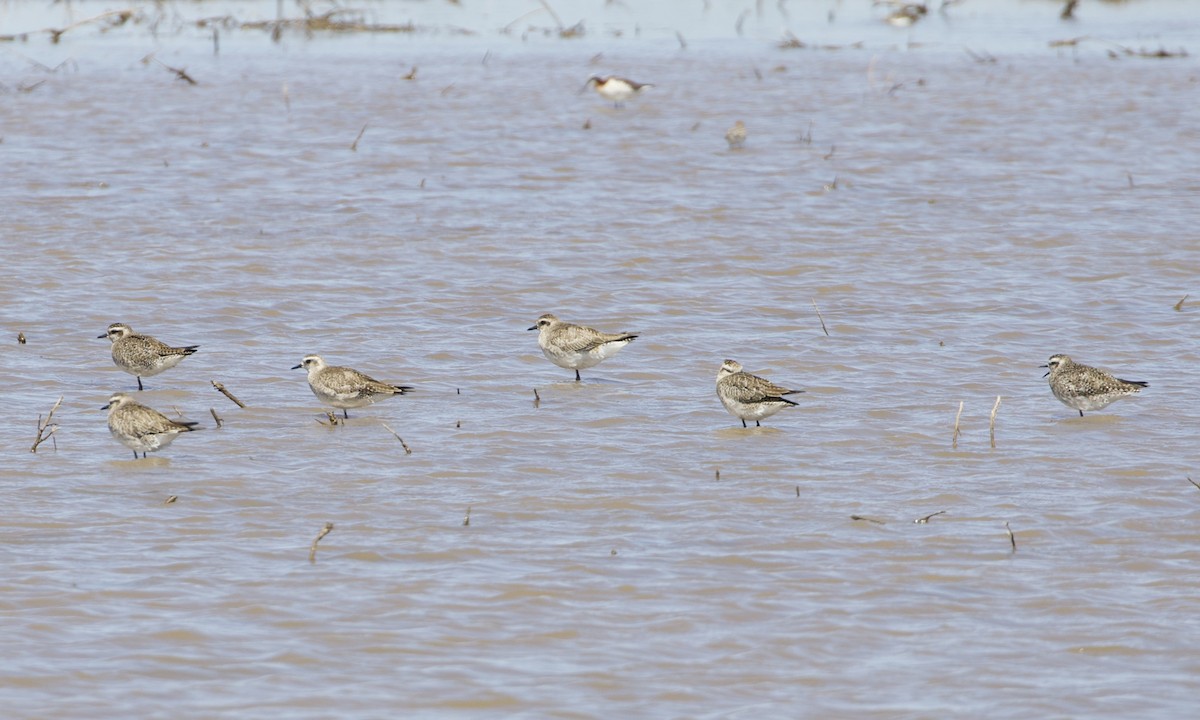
x=955 y=221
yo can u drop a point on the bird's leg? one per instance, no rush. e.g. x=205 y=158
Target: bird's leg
x=139 y=377
x=577 y=378
x=744 y=423
x=1080 y=413
x=135 y=454
x=345 y=415
x=757 y=424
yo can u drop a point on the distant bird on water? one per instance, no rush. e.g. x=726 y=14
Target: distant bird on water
x=616 y=89
x=142 y=355
x=749 y=397
x=141 y=428
x=736 y=135
x=343 y=387
x=576 y=347
x=1083 y=387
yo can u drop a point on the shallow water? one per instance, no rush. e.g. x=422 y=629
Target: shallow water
x=956 y=222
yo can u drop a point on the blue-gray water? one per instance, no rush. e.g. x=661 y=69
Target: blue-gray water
x=955 y=220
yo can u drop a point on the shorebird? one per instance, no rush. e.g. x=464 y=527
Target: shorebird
x=576 y=347
x=140 y=428
x=141 y=355
x=1084 y=387
x=736 y=135
x=616 y=89
x=749 y=397
x=344 y=387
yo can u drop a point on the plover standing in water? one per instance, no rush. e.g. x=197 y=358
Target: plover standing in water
x=1084 y=387
x=576 y=347
x=736 y=135
x=749 y=397
x=142 y=355
x=344 y=387
x=140 y=428
x=615 y=89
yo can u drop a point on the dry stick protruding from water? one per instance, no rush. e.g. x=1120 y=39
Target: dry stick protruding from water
x=42 y=435
x=954 y=440
x=407 y=449
x=1194 y=482
x=467 y=519
x=718 y=474
x=1178 y=307
x=925 y=520
x=221 y=389
x=682 y=42
x=21 y=335
x=170 y=499
x=1011 y=538
x=870 y=520
x=120 y=17
x=180 y=73
x=412 y=74
x=814 y=302
x=216 y=417
x=537 y=399
x=992 y=422
x=312 y=551
x=354 y=145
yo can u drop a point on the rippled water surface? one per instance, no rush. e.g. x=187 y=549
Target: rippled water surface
x=632 y=551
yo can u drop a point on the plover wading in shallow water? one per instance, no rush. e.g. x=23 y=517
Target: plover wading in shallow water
x=142 y=355
x=1084 y=387
x=140 y=428
x=343 y=387
x=576 y=347
x=615 y=89
x=749 y=397
x=736 y=135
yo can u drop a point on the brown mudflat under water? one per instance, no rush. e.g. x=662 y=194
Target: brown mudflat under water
x=955 y=220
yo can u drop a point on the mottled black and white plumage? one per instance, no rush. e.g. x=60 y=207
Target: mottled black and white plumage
x=343 y=387
x=1083 y=387
x=142 y=355
x=576 y=347
x=616 y=89
x=749 y=397
x=140 y=428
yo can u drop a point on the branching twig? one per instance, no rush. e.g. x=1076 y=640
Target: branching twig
x=180 y=73
x=221 y=389
x=312 y=552
x=407 y=449
x=954 y=440
x=42 y=435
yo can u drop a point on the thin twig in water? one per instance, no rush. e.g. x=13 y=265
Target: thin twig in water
x=467 y=519
x=354 y=145
x=221 y=389
x=216 y=417
x=1011 y=538
x=1178 y=307
x=312 y=551
x=870 y=520
x=537 y=399
x=925 y=520
x=412 y=74
x=832 y=150
x=180 y=73
x=42 y=435
x=170 y=499
x=407 y=449
x=1194 y=483
x=954 y=440
x=682 y=42
x=992 y=422
x=814 y=302
x=718 y=474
